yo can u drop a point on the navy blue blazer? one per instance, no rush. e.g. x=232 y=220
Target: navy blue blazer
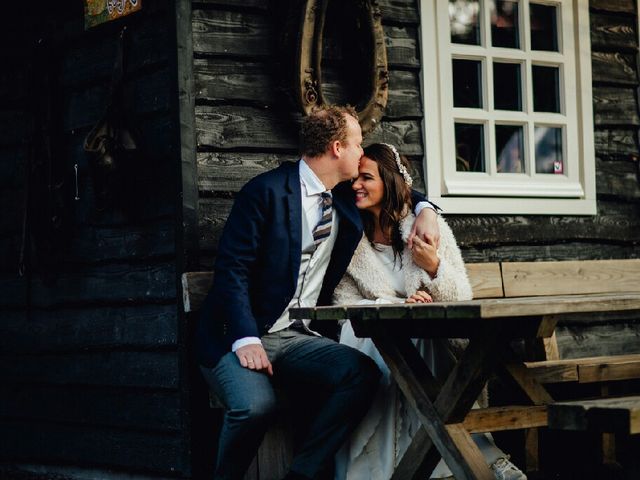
x=258 y=260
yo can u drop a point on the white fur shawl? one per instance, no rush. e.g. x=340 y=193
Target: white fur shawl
x=364 y=278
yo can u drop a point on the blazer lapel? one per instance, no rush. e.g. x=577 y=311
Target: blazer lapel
x=293 y=200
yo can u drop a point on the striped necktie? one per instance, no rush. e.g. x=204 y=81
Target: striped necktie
x=323 y=229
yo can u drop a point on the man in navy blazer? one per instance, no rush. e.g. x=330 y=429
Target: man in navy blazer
x=270 y=258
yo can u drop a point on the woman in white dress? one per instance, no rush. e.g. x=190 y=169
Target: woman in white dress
x=384 y=270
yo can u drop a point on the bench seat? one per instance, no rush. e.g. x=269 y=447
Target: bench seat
x=586 y=370
x=614 y=415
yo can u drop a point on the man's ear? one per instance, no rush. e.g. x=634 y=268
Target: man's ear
x=335 y=148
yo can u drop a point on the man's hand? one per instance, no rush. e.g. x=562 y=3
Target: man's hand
x=426 y=227
x=419 y=297
x=254 y=357
x=425 y=255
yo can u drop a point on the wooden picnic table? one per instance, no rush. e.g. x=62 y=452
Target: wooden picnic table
x=490 y=325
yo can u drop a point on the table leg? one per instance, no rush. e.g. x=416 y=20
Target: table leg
x=453 y=442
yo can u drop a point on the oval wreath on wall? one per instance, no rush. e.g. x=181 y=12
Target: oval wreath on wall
x=367 y=53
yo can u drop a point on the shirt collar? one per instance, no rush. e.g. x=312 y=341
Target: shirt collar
x=310 y=180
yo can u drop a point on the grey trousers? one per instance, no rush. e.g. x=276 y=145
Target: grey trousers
x=342 y=377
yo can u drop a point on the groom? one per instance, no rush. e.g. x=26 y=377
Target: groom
x=287 y=242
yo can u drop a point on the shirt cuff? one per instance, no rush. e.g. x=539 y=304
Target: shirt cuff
x=241 y=342
x=422 y=205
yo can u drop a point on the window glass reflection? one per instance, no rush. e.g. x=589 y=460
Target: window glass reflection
x=469 y=147
x=504 y=24
x=506 y=86
x=464 y=21
x=510 y=148
x=549 y=150
x=467 y=83
x=544 y=30
x=546 y=88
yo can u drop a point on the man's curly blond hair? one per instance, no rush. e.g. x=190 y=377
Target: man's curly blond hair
x=323 y=126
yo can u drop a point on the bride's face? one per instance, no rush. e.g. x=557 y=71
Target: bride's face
x=368 y=186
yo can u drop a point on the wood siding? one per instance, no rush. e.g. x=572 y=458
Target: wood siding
x=90 y=341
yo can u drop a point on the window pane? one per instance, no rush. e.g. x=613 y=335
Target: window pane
x=469 y=147
x=510 y=148
x=506 y=86
x=504 y=24
x=549 y=150
x=544 y=28
x=546 y=89
x=467 y=90
x=464 y=20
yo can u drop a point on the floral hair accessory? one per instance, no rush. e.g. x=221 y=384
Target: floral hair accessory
x=401 y=168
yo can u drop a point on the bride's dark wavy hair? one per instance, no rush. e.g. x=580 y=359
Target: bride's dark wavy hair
x=396 y=200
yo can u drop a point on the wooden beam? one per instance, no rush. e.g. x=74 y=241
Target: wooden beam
x=496 y=419
x=462 y=456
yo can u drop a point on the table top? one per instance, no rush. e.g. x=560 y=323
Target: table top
x=448 y=319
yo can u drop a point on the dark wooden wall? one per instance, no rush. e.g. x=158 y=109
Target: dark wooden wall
x=91 y=350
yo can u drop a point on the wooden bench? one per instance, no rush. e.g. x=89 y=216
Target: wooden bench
x=518 y=279
x=614 y=415
x=515 y=279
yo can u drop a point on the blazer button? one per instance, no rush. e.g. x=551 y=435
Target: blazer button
x=267 y=327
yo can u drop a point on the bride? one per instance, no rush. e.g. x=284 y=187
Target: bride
x=385 y=270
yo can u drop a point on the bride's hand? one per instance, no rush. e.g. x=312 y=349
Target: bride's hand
x=419 y=297
x=425 y=255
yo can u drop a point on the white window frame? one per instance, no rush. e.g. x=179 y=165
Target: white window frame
x=573 y=193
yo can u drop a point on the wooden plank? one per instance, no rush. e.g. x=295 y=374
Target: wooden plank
x=553 y=371
x=127 y=409
x=609 y=368
x=122 y=369
x=229 y=171
x=276 y=450
x=615 y=106
x=399 y=11
x=232 y=33
x=486 y=279
x=617 y=178
x=406 y=135
x=128 y=283
x=558 y=304
x=251 y=35
x=622 y=6
x=241 y=127
x=616 y=221
x=84 y=108
x=92 y=59
x=613 y=142
x=195 y=287
x=65 y=330
x=548 y=251
x=614 y=67
x=43 y=442
x=212 y=214
x=571 y=277
x=579 y=341
x=514 y=417
x=613 y=32
x=618 y=415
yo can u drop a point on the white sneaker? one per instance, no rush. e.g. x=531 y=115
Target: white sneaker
x=503 y=469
